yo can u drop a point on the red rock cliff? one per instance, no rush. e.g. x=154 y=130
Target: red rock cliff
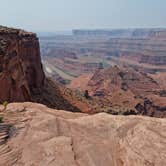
x=20 y=65
x=21 y=73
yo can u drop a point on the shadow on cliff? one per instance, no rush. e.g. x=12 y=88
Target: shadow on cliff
x=50 y=94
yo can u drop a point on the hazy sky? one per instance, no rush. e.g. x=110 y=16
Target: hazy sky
x=52 y=15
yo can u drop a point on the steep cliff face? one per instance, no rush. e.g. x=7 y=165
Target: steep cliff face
x=20 y=65
x=21 y=73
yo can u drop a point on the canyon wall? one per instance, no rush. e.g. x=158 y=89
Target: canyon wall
x=21 y=73
x=147 y=54
x=20 y=65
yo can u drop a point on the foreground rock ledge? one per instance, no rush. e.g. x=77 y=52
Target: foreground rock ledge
x=40 y=136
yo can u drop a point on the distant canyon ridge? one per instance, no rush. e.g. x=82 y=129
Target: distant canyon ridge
x=66 y=57
x=124 y=70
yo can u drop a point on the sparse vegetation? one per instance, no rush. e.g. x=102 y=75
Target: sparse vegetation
x=1 y=119
x=86 y=94
x=101 y=66
x=122 y=75
x=5 y=103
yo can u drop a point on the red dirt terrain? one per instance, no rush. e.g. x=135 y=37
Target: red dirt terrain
x=124 y=90
x=160 y=78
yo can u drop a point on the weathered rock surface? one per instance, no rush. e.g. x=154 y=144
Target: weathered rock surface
x=20 y=65
x=42 y=136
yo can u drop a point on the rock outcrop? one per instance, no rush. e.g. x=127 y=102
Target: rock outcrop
x=20 y=65
x=21 y=73
x=38 y=135
x=124 y=91
x=149 y=108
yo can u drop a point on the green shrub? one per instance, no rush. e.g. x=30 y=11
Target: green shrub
x=1 y=119
x=5 y=103
x=86 y=94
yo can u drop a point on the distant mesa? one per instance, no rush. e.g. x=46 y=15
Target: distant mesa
x=141 y=32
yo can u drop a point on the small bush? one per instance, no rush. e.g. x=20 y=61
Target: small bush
x=1 y=119
x=86 y=94
x=5 y=103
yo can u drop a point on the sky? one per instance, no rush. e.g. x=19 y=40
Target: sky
x=62 y=15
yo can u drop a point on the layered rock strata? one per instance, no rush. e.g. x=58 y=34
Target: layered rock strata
x=20 y=65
